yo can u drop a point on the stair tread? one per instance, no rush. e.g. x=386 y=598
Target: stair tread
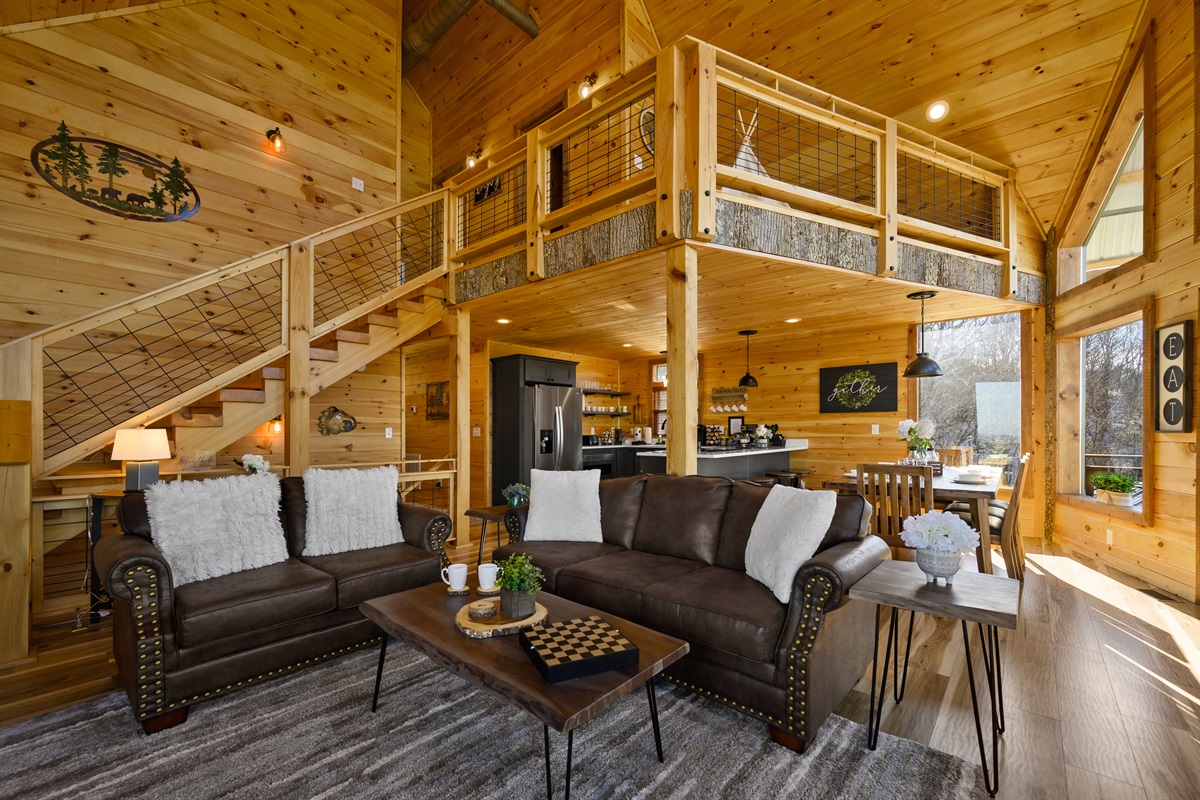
x=274 y=373
x=320 y=354
x=361 y=337
x=192 y=419
x=387 y=320
x=242 y=395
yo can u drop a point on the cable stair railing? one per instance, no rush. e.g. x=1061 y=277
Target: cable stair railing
x=177 y=357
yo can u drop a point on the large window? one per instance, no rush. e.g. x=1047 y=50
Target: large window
x=1116 y=235
x=1112 y=403
x=1104 y=423
x=976 y=403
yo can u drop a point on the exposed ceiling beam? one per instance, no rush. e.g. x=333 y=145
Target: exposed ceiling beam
x=420 y=38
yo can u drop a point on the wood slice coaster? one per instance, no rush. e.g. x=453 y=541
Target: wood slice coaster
x=458 y=592
x=499 y=625
x=492 y=592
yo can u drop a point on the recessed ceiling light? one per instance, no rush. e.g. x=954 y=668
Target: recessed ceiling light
x=626 y=345
x=504 y=321
x=937 y=111
x=793 y=319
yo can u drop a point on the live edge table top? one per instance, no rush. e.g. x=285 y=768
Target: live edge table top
x=974 y=597
x=424 y=619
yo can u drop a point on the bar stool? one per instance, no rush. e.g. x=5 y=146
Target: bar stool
x=761 y=480
x=485 y=515
x=790 y=477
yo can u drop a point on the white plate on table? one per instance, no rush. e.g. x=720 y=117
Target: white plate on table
x=851 y=474
x=972 y=478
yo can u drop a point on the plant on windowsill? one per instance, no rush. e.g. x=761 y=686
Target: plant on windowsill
x=519 y=581
x=1114 y=488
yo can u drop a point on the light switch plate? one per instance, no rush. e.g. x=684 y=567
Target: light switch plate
x=476 y=432
x=874 y=430
x=357 y=184
x=387 y=433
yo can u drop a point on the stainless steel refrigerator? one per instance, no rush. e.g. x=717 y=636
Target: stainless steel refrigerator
x=537 y=419
x=556 y=420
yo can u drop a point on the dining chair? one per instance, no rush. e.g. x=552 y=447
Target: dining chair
x=895 y=492
x=1004 y=523
x=958 y=456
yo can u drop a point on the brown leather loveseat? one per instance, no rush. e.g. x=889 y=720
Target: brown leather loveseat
x=673 y=559
x=175 y=646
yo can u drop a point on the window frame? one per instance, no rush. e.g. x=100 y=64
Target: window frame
x=1137 y=95
x=1068 y=444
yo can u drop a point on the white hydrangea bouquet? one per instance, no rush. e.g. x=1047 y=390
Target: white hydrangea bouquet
x=762 y=432
x=918 y=433
x=253 y=464
x=939 y=530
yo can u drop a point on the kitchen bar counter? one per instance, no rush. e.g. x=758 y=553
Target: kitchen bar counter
x=731 y=464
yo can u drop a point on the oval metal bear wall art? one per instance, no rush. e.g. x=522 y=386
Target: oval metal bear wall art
x=333 y=421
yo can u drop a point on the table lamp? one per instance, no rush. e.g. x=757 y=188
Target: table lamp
x=141 y=449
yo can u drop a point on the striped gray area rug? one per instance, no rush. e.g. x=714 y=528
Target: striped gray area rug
x=312 y=735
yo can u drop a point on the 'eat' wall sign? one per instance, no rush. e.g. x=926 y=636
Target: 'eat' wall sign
x=1173 y=373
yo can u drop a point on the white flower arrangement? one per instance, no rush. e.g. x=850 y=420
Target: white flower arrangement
x=918 y=433
x=253 y=464
x=762 y=432
x=939 y=530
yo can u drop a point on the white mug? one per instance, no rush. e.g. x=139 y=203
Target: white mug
x=457 y=576
x=487 y=576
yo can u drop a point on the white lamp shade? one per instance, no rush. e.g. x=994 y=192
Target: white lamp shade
x=141 y=444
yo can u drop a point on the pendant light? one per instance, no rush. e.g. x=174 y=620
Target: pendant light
x=922 y=366
x=748 y=380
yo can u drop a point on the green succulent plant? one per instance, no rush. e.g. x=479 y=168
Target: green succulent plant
x=1113 y=482
x=517 y=573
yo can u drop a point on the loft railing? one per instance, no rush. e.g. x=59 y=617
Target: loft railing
x=700 y=122
x=136 y=362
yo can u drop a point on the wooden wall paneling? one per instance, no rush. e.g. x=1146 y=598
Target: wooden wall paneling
x=18 y=15
x=639 y=42
x=15 y=521
x=416 y=165
x=375 y=397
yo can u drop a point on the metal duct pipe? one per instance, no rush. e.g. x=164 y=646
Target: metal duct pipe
x=516 y=16
x=424 y=34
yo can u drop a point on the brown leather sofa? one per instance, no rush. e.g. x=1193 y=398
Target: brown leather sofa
x=176 y=646
x=673 y=559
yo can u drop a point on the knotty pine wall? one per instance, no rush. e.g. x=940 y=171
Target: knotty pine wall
x=202 y=81
x=1164 y=554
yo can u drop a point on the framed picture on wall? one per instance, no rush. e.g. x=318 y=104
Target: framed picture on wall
x=736 y=424
x=437 y=400
x=859 y=388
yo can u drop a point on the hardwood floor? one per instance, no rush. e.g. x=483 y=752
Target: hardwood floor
x=1101 y=684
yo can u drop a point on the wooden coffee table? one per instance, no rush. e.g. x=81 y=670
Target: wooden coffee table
x=424 y=619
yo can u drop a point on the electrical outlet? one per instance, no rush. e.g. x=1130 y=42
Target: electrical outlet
x=1108 y=540
x=387 y=433
x=357 y=184
x=476 y=432
x=437 y=484
x=874 y=430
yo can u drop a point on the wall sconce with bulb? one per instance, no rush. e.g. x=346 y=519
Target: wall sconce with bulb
x=587 y=86
x=275 y=137
x=474 y=157
x=276 y=425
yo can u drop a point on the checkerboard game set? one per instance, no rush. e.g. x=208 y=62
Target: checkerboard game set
x=577 y=647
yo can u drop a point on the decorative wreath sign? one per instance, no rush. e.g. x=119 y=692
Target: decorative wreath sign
x=115 y=179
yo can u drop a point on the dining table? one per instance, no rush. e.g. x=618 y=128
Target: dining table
x=947 y=488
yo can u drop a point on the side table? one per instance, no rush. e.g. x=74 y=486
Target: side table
x=485 y=515
x=990 y=601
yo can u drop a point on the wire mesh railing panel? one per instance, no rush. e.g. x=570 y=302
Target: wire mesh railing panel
x=760 y=138
x=105 y=376
x=614 y=148
x=492 y=206
x=930 y=192
x=355 y=267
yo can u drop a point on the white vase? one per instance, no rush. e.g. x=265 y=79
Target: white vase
x=939 y=564
x=1102 y=496
x=1120 y=498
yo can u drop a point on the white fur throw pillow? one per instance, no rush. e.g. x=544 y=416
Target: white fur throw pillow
x=216 y=527
x=564 y=506
x=786 y=533
x=350 y=509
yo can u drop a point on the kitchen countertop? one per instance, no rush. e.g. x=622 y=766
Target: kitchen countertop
x=629 y=446
x=657 y=451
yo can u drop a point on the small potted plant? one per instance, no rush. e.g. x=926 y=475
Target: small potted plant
x=517 y=494
x=1114 y=487
x=253 y=464
x=939 y=538
x=762 y=436
x=519 y=580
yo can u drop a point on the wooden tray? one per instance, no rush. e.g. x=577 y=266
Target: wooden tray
x=498 y=625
